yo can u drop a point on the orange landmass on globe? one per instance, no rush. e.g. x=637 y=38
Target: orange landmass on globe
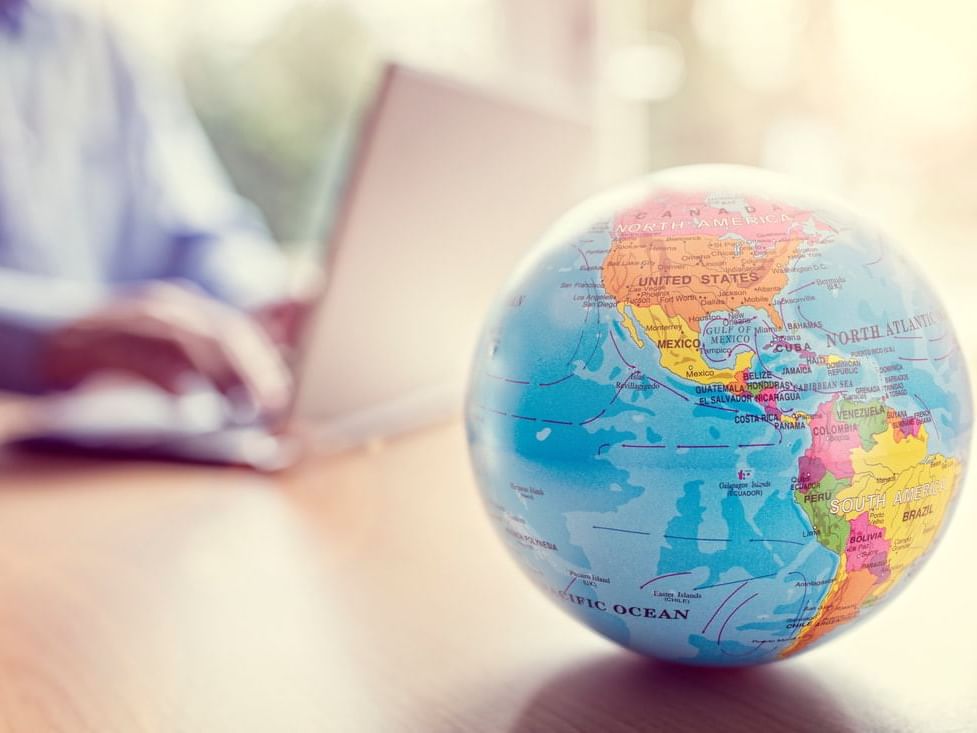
x=692 y=276
x=677 y=261
x=694 y=259
x=839 y=607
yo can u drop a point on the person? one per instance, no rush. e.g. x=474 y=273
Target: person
x=122 y=246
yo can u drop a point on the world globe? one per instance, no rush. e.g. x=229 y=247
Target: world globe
x=718 y=418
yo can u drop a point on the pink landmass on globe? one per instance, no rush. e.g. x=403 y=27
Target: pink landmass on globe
x=832 y=442
x=867 y=548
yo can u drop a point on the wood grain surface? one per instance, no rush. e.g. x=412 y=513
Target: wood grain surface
x=368 y=593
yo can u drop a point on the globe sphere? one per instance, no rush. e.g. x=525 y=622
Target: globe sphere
x=717 y=417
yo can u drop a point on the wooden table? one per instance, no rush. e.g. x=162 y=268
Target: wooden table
x=368 y=593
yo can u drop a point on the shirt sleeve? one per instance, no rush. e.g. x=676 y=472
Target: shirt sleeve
x=25 y=319
x=180 y=198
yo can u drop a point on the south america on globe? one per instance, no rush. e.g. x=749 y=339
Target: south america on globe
x=718 y=418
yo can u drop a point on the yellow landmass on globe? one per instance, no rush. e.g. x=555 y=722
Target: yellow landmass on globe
x=794 y=418
x=889 y=456
x=629 y=325
x=913 y=509
x=678 y=344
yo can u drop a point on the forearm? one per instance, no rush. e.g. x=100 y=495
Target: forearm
x=31 y=307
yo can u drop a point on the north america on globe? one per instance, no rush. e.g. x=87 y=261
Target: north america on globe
x=718 y=418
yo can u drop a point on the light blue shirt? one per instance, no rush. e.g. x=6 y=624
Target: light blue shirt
x=106 y=180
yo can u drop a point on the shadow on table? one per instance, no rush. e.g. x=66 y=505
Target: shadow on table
x=628 y=693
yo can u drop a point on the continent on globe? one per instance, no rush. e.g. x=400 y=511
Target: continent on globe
x=718 y=418
x=703 y=256
x=873 y=496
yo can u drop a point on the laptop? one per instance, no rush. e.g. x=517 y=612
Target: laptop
x=445 y=188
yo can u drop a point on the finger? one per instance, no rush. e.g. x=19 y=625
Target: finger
x=227 y=348
x=160 y=361
x=241 y=363
x=259 y=362
x=208 y=359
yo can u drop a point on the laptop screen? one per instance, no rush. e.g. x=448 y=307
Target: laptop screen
x=449 y=188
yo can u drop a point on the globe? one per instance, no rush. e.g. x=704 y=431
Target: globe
x=717 y=417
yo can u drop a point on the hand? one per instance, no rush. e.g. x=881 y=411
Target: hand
x=286 y=319
x=165 y=333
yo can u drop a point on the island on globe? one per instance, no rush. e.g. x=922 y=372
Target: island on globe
x=718 y=418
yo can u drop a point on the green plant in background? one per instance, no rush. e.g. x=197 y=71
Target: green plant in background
x=275 y=110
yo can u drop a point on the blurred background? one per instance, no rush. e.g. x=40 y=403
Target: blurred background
x=875 y=100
